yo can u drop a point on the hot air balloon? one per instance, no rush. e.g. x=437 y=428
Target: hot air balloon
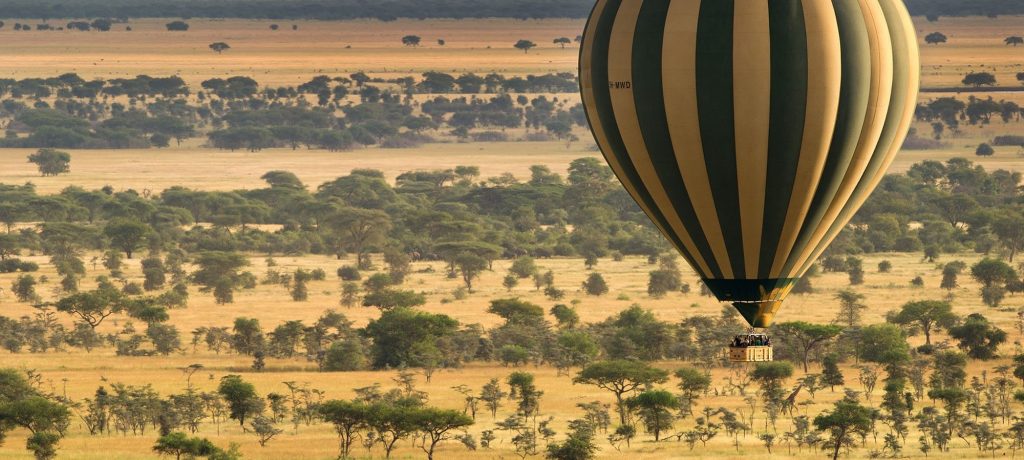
x=750 y=131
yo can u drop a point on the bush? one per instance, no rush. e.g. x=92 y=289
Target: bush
x=318 y=274
x=993 y=295
x=922 y=143
x=803 y=286
x=834 y=264
x=523 y=267
x=177 y=26
x=345 y=355
x=406 y=140
x=595 y=285
x=538 y=136
x=513 y=355
x=908 y=244
x=554 y=293
x=349 y=273
x=984 y=150
x=24 y=288
x=132 y=289
x=884 y=266
x=17 y=265
x=489 y=136
x=160 y=140
x=662 y=282
x=247 y=280
x=1008 y=141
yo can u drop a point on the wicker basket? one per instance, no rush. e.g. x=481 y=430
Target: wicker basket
x=750 y=354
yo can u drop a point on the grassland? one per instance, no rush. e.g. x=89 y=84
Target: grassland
x=78 y=374
x=288 y=57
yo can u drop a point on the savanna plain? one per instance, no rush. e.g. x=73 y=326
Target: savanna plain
x=733 y=414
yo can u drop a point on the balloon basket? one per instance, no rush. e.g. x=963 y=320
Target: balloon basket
x=751 y=348
x=750 y=354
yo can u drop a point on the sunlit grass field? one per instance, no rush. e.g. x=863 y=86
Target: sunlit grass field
x=78 y=374
x=290 y=57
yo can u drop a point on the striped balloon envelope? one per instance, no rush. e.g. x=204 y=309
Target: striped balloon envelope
x=750 y=131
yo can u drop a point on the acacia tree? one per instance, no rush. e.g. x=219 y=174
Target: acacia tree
x=348 y=418
x=804 y=338
x=470 y=266
x=935 y=38
x=525 y=45
x=993 y=275
x=359 y=229
x=243 y=403
x=926 y=315
x=22 y=406
x=51 y=162
x=847 y=421
x=830 y=373
x=92 y=307
x=655 y=410
x=179 y=444
x=770 y=376
x=220 y=47
x=692 y=383
x=177 y=26
x=218 y=272
x=978 y=79
x=127 y=234
x=621 y=376
x=1014 y=40
x=850 y=307
x=392 y=423
x=1009 y=228
x=492 y=395
x=411 y=40
x=978 y=337
x=437 y=425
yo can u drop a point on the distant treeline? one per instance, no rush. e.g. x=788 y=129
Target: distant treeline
x=393 y=9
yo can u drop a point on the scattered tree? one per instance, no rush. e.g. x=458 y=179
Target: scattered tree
x=220 y=47
x=935 y=38
x=621 y=377
x=979 y=79
x=411 y=40
x=525 y=45
x=51 y=162
x=925 y=315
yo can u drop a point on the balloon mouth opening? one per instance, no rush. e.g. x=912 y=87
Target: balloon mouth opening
x=759 y=315
x=757 y=300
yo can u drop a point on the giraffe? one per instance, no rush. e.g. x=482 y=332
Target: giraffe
x=789 y=405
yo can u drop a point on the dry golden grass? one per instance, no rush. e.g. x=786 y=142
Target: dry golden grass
x=211 y=169
x=272 y=305
x=287 y=57
x=975 y=45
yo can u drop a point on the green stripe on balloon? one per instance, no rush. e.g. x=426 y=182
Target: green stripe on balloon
x=788 y=110
x=717 y=121
x=650 y=106
x=598 y=56
x=855 y=88
x=902 y=50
